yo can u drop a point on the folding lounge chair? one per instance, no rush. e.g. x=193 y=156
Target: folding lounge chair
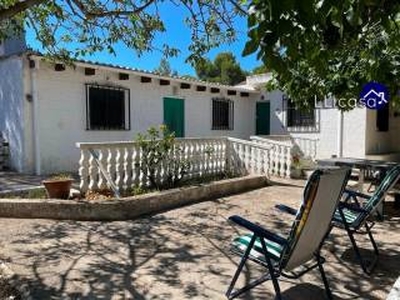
x=312 y=224
x=354 y=216
x=356 y=211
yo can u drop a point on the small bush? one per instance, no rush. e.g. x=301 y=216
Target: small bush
x=160 y=152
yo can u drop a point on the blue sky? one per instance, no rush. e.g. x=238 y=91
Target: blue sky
x=178 y=35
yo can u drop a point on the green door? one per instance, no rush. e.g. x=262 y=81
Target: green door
x=174 y=116
x=262 y=118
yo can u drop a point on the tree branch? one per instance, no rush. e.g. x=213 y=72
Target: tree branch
x=18 y=7
x=238 y=7
x=105 y=13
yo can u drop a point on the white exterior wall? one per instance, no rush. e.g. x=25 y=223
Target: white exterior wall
x=11 y=109
x=327 y=131
x=62 y=119
x=354 y=131
x=378 y=142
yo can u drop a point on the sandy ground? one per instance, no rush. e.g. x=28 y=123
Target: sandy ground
x=183 y=254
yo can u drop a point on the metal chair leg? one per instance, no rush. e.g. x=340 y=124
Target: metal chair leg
x=240 y=267
x=231 y=294
x=272 y=272
x=363 y=264
x=324 y=279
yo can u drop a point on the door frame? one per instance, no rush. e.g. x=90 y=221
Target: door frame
x=184 y=110
x=255 y=119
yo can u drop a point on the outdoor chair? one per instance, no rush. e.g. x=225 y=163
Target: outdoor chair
x=356 y=213
x=301 y=248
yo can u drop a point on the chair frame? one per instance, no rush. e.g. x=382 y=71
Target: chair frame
x=366 y=266
x=274 y=268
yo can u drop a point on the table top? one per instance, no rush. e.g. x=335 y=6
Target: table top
x=359 y=163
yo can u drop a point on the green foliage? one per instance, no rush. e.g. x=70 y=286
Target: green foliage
x=161 y=152
x=224 y=69
x=136 y=191
x=164 y=68
x=95 y=26
x=260 y=70
x=316 y=48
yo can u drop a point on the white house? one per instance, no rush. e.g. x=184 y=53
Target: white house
x=46 y=108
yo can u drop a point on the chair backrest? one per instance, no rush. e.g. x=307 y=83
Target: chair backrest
x=392 y=176
x=320 y=199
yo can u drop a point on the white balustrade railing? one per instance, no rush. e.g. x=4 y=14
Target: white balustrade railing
x=308 y=146
x=207 y=156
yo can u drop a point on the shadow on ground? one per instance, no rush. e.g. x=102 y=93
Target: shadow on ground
x=182 y=254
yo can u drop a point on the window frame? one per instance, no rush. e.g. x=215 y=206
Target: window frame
x=299 y=125
x=230 y=117
x=126 y=103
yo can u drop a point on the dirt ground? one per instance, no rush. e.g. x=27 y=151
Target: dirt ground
x=184 y=254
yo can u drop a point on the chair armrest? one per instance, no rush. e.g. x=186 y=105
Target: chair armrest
x=258 y=230
x=357 y=194
x=286 y=209
x=348 y=206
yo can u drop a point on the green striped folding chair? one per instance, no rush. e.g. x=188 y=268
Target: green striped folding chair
x=353 y=214
x=284 y=256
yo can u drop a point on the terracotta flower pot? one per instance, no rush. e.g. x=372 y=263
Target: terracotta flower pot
x=58 y=189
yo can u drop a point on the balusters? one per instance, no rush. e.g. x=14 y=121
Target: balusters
x=127 y=168
x=84 y=170
x=288 y=163
x=102 y=182
x=136 y=166
x=282 y=161
x=119 y=168
x=206 y=157
x=92 y=174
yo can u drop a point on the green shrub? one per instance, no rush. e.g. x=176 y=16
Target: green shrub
x=160 y=151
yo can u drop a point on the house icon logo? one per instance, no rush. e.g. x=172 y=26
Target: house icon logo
x=374 y=95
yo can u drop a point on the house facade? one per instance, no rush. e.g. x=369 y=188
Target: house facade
x=361 y=132
x=47 y=108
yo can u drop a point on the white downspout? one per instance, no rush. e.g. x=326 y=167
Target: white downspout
x=35 y=119
x=340 y=134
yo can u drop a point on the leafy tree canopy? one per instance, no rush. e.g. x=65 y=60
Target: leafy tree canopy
x=317 y=47
x=260 y=70
x=165 y=68
x=224 y=69
x=95 y=26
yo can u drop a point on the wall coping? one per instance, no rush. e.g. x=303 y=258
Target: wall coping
x=126 y=208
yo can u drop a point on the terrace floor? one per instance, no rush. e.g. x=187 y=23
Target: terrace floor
x=182 y=254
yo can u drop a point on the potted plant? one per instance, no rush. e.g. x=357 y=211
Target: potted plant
x=58 y=186
x=296 y=170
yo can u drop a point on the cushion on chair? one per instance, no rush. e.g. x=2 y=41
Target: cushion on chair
x=387 y=183
x=350 y=216
x=274 y=249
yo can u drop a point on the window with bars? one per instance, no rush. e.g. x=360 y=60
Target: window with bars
x=107 y=108
x=222 y=114
x=299 y=118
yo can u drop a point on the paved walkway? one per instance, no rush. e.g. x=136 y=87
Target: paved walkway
x=181 y=254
